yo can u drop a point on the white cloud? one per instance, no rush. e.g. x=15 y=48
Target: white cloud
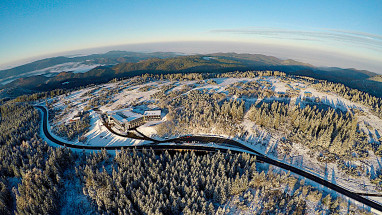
x=321 y=37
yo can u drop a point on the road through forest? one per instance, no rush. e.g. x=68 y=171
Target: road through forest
x=234 y=147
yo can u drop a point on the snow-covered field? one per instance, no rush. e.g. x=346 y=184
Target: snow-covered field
x=127 y=93
x=76 y=67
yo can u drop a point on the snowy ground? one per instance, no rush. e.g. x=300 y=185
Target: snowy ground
x=99 y=135
x=125 y=94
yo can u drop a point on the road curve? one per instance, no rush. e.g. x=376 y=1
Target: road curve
x=139 y=147
x=220 y=141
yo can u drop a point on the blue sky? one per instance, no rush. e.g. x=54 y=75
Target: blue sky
x=42 y=28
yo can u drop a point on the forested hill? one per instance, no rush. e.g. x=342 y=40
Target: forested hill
x=216 y=63
x=112 y=57
x=102 y=74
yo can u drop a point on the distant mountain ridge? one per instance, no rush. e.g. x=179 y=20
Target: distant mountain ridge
x=258 y=59
x=112 y=57
x=216 y=63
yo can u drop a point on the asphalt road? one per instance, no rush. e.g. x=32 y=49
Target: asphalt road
x=219 y=141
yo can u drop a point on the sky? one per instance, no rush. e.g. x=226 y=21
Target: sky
x=332 y=33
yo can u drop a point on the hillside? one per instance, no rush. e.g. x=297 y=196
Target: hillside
x=112 y=57
x=185 y=64
x=313 y=125
x=377 y=78
x=212 y=63
x=258 y=59
x=319 y=127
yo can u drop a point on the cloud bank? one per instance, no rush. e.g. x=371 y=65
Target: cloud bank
x=364 y=40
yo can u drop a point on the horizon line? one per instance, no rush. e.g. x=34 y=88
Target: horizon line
x=279 y=51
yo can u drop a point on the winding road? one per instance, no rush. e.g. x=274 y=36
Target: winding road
x=234 y=147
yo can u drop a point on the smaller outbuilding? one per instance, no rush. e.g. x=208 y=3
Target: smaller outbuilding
x=152 y=115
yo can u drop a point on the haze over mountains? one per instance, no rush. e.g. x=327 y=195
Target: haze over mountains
x=60 y=64
x=69 y=72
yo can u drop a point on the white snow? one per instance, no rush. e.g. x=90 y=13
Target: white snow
x=264 y=141
x=99 y=135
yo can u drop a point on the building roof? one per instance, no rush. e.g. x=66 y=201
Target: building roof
x=152 y=112
x=125 y=116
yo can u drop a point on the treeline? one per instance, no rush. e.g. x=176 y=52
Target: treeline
x=32 y=174
x=41 y=95
x=25 y=159
x=72 y=130
x=323 y=128
x=199 y=76
x=17 y=122
x=250 y=89
x=33 y=178
x=135 y=182
x=5 y=197
x=354 y=95
x=69 y=129
x=182 y=183
x=250 y=74
x=203 y=110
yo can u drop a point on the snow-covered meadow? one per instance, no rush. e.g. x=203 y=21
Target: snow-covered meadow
x=133 y=93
